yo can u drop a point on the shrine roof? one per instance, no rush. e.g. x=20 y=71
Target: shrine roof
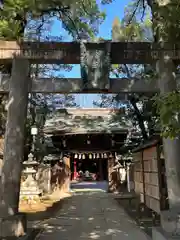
x=87 y=121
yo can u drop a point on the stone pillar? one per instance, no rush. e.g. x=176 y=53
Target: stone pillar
x=169 y=219
x=14 y=149
x=167 y=84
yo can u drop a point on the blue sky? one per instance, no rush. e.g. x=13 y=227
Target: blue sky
x=115 y=9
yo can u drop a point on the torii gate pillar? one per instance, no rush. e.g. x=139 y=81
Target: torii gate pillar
x=11 y=223
x=170 y=227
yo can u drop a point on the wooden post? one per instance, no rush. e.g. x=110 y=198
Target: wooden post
x=14 y=140
x=67 y=173
x=110 y=169
x=128 y=177
x=101 y=176
x=75 y=170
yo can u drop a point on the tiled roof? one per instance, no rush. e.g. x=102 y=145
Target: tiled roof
x=81 y=121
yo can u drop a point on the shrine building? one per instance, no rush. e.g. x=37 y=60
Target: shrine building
x=90 y=137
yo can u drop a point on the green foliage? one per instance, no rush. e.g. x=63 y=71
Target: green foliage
x=168 y=108
x=133 y=31
x=32 y=20
x=79 y=18
x=140 y=110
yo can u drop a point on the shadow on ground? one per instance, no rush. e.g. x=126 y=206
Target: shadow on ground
x=90 y=215
x=143 y=218
x=49 y=212
x=33 y=233
x=36 y=218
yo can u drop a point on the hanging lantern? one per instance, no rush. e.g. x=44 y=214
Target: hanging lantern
x=95 y=64
x=88 y=141
x=76 y=156
x=94 y=155
x=97 y=155
x=105 y=155
x=64 y=143
x=110 y=155
x=83 y=156
x=162 y=155
x=79 y=156
x=90 y=156
x=112 y=143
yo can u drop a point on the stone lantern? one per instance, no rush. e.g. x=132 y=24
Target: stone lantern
x=29 y=188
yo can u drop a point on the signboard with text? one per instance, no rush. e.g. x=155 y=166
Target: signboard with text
x=69 y=52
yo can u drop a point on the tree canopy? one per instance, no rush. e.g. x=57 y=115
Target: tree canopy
x=140 y=110
x=143 y=21
x=32 y=20
x=79 y=18
x=152 y=21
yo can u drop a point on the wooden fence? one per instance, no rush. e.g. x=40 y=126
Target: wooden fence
x=149 y=176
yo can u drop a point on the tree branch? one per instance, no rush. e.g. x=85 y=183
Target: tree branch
x=150 y=3
x=134 y=12
x=139 y=118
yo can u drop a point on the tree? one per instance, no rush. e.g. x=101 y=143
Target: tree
x=80 y=17
x=32 y=21
x=22 y=19
x=166 y=26
x=140 y=109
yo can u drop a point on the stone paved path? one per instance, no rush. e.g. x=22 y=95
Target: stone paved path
x=93 y=215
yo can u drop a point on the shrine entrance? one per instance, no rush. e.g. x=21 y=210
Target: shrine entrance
x=95 y=60
x=94 y=163
x=87 y=137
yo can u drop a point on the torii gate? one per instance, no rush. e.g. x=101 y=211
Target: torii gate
x=95 y=77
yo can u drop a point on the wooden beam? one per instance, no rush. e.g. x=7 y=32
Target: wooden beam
x=74 y=85
x=56 y=132
x=69 y=52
